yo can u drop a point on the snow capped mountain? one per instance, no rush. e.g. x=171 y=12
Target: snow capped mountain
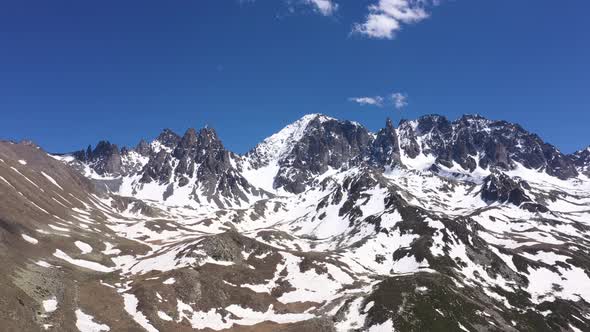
x=288 y=160
x=309 y=147
x=436 y=225
x=278 y=146
x=262 y=164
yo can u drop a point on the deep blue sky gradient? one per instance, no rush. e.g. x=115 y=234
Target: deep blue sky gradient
x=74 y=72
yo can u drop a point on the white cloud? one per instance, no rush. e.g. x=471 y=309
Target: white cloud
x=374 y=101
x=397 y=99
x=325 y=7
x=400 y=100
x=387 y=17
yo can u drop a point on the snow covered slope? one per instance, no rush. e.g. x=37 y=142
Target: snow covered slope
x=469 y=225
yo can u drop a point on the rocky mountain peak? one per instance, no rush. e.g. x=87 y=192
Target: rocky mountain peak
x=315 y=117
x=474 y=118
x=385 y=150
x=105 y=158
x=324 y=143
x=198 y=143
x=190 y=135
x=168 y=138
x=581 y=160
x=389 y=124
x=104 y=149
x=277 y=146
x=433 y=123
x=582 y=156
x=188 y=140
x=209 y=140
x=143 y=148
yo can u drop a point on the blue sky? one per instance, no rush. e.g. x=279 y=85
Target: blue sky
x=74 y=72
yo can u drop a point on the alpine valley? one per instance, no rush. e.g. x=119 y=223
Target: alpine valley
x=433 y=225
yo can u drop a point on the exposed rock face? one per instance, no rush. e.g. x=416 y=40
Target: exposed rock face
x=474 y=141
x=582 y=160
x=158 y=168
x=499 y=187
x=186 y=152
x=408 y=136
x=197 y=160
x=438 y=131
x=385 y=150
x=143 y=148
x=327 y=143
x=216 y=176
x=317 y=143
x=105 y=159
x=168 y=138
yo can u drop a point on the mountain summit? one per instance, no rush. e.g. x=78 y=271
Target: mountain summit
x=433 y=225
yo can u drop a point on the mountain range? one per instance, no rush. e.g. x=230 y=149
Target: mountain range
x=430 y=225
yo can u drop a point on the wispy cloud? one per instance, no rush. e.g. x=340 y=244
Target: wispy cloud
x=387 y=17
x=373 y=101
x=325 y=7
x=397 y=99
x=400 y=100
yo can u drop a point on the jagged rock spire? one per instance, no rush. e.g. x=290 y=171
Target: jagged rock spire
x=168 y=138
x=385 y=150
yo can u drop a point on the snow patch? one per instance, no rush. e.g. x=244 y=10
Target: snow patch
x=131 y=303
x=43 y=264
x=50 y=305
x=30 y=239
x=86 y=323
x=82 y=263
x=84 y=247
x=164 y=316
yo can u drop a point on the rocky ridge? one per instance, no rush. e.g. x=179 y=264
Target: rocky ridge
x=317 y=143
